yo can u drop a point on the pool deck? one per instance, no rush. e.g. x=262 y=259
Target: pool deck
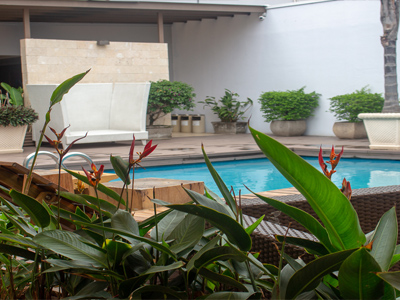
x=186 y=148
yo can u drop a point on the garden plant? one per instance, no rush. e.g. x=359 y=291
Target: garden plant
x=101 y=252
x=289 y=105
x=228 y=108
x=347 y=107
x=165 y=96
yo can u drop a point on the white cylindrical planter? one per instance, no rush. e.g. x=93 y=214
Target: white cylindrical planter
x=383 y=130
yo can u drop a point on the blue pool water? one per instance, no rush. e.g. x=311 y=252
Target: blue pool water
x=260 y=175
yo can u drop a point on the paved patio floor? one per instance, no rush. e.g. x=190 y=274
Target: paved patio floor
x=186 y=148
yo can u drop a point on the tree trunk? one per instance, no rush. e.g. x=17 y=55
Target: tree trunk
x=390 y=23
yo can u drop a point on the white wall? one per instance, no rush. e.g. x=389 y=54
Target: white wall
x=331 y=48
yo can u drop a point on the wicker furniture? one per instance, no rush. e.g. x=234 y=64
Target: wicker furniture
x=370 y=204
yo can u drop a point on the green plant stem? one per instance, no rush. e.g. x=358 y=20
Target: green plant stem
x=123 y=188
x=12 y=291
x=28 y=180
x=58 y=194
x=132 y=191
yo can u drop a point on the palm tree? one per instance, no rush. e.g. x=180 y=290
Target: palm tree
x=390 y=23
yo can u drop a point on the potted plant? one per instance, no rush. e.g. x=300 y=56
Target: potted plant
x=164 y=97
x=229 y=110
x=287 y=111
x=347 y=108
x=14 y=120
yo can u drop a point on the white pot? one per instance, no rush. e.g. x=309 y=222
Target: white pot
x=383 y=130
x=12 y=139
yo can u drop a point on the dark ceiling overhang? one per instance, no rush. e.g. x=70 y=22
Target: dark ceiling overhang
x=84 y=11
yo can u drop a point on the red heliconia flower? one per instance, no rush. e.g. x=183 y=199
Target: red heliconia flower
x=148 y=149
x=323 y=165
x=346 y=188
x=334 y=158
x=57 y=142
x=94 y=176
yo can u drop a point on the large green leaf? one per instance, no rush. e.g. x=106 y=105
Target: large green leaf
x=357 y=278
x=14 y=94
x=310 y=246
x=39 y=215
x=167 y=225
x=64 y=88
x=19 y=223
x=157 y=269
x=123 y=220
x=309 y=277
x=384 y=239
x=233 y=230
x=121 y=168
x=17 y=251
x=393 y=278
x=70 y=245
x=126 y=234
x=187 y=233
x=333 y=208
x=220 y=183
x=22 y=241
x=211 y=244
x=305 y=219
x=396 y=256
x=146 y=225
x=102 y=188
x=158 y=292
x=223 y=279
x=219 y=253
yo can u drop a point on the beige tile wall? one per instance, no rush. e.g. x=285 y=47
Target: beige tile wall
x=46 y=61
x=53 y=61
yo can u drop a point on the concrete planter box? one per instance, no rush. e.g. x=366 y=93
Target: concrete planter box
x=383 y=130
x=159 y=132
x=12 y=139
x=288 y=128
x=350 y=130
x=229 y=127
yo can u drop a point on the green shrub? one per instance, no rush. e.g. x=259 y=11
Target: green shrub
x=290 y=105
x=17 y=115
x=347 y=107
x=228 y=108
x=165 y=96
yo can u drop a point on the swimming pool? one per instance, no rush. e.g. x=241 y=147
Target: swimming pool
x=260 y=175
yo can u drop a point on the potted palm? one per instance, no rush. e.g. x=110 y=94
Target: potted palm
x=287 y=111
x=347 y=108
x=164 y=97
x=229 y=110
x=14 y=119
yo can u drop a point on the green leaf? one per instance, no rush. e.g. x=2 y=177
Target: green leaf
x=253 y=226
x=233 y=230
x=211 y=244
x=167 y=225
x=22 y=241
x=220 y=184
x=333 y=208
x=308 y=277
x=219 y=253
x=310 y=246
x=157 y=269
x=21 y=225
x=385 y=239
x=357 y=278
x=64 y=88
x=150 y=222
x=70 y=245
x=123 y=220
x=396 y=256
x=126 y=234
x=17 y=251
x=393 y=278
x=304 y=218
x=187 y=234
x=202 y=200
x=34 y=209
x=157 y=292
x=116 y=250
x=222 y=279
x=121 y=168
x=102 y=188
x=230 y=296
